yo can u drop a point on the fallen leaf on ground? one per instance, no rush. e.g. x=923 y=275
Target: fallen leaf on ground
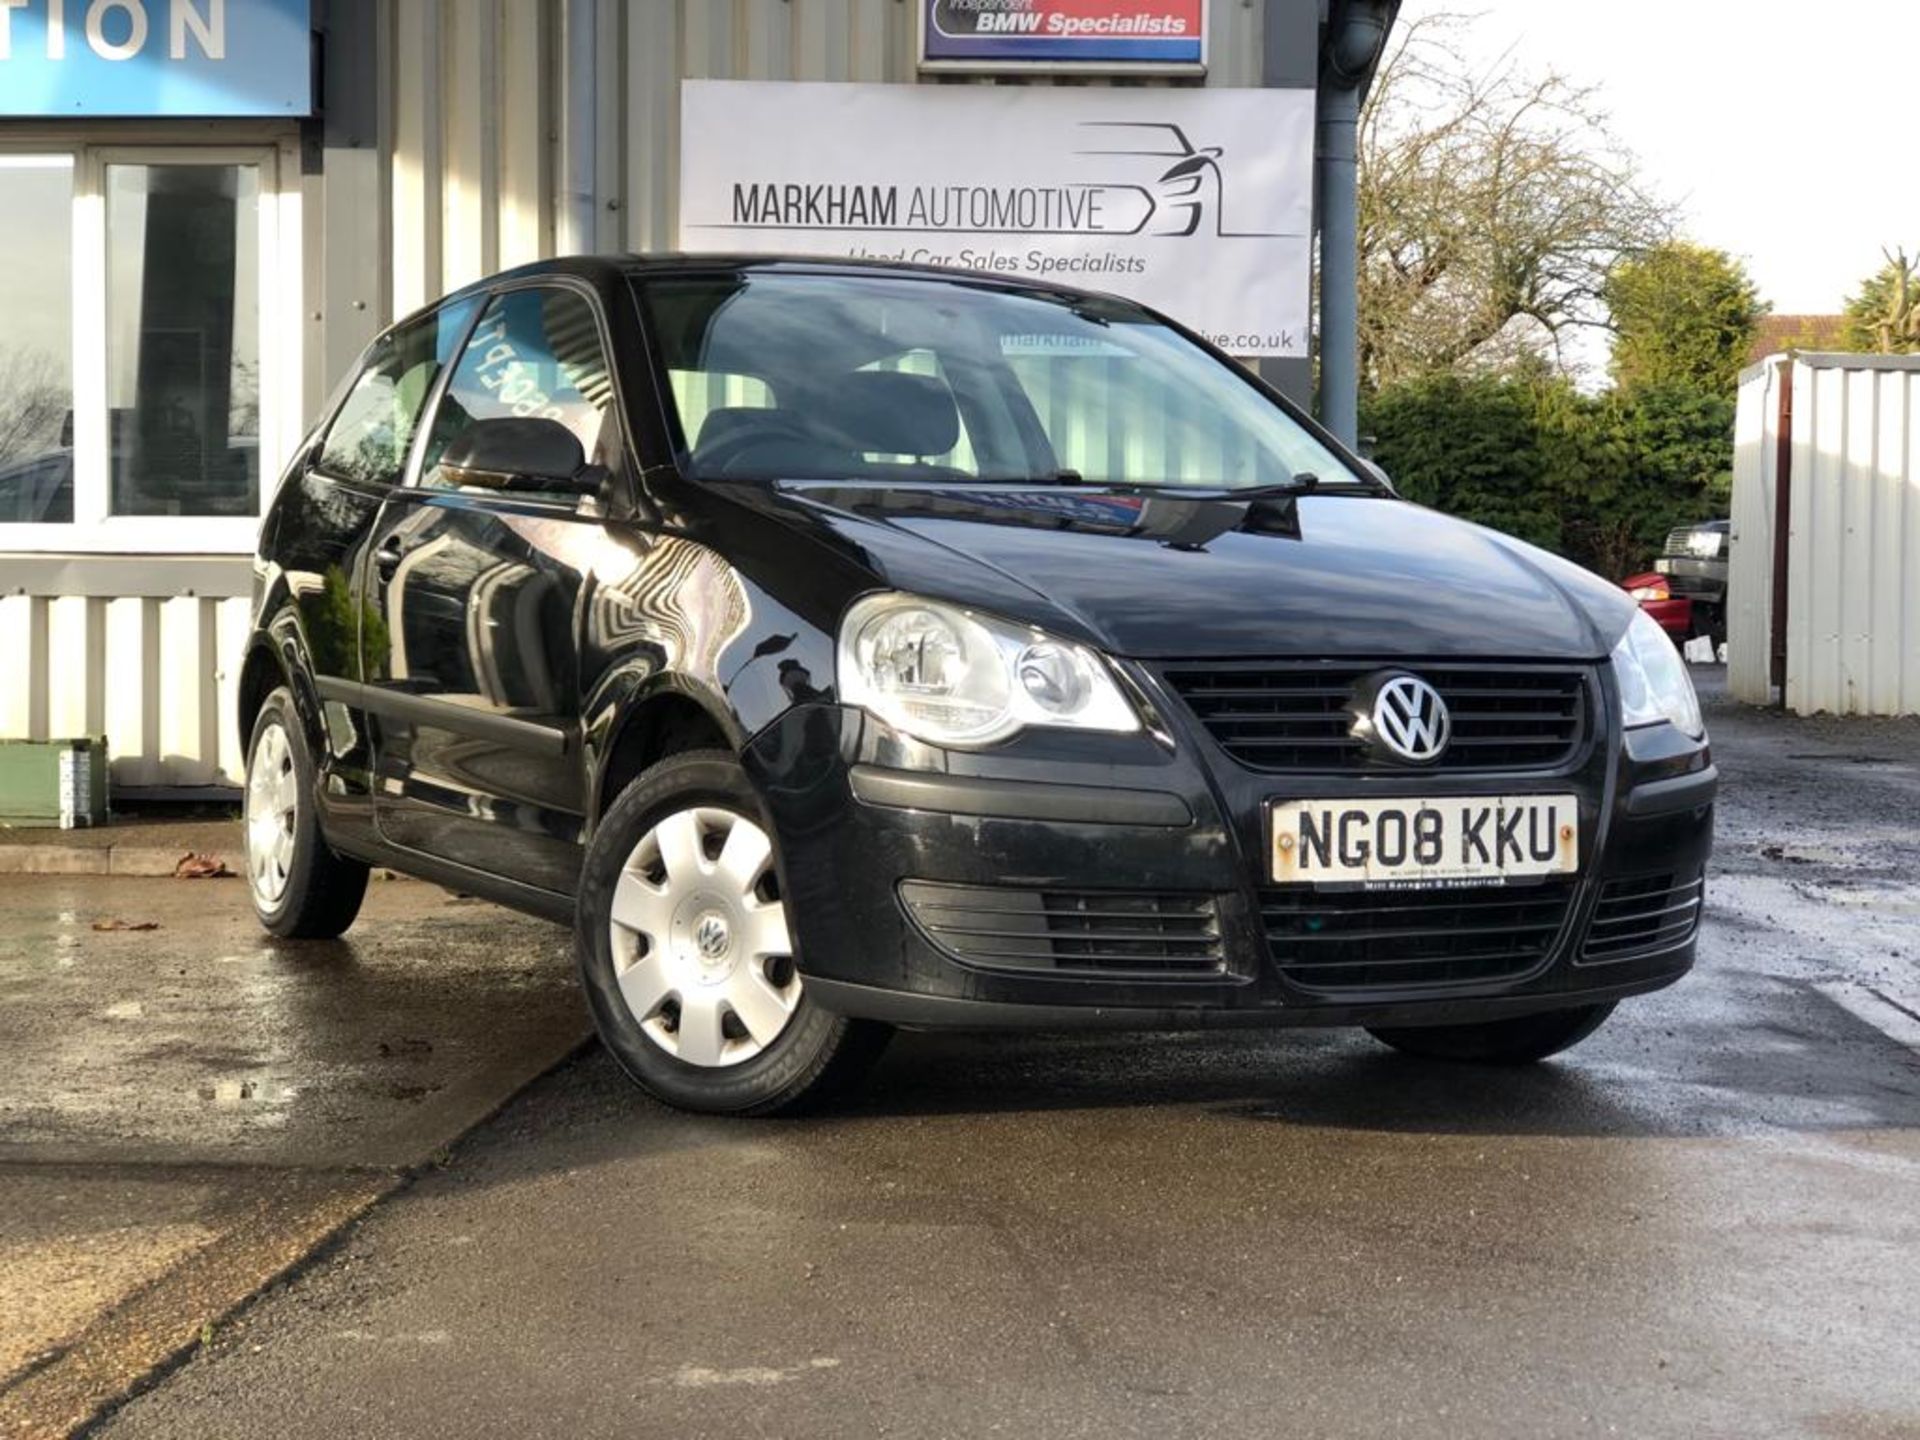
x=200 y=867
x=117 y=924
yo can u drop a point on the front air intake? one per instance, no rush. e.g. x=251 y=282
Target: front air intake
x=1157 y=934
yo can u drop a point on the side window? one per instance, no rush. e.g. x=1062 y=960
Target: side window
x=534 y=353
x=372 y=433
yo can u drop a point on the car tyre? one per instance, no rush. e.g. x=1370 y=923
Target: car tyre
x=302 y=888
x=684 y=953
x=1521 y=1040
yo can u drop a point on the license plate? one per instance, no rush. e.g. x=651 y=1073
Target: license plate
x=1424 y=844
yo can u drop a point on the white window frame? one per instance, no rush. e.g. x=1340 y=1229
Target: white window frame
x=93 y=530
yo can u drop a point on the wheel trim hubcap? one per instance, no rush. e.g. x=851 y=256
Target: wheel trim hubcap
x=701 y=949
x=272 y=809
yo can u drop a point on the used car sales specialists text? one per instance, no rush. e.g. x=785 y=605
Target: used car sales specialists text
x=1002 y=262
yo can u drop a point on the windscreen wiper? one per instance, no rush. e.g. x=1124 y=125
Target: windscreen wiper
x=1305 y=483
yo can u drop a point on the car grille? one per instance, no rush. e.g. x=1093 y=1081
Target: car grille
x=1103 y=932
x=1679 y=541
x=1296 y=717
x=1693 y=584
x=1640 y=914
x=1338 y=941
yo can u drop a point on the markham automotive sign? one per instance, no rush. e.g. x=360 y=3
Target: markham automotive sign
x=1196 y=202
x=1151 y=35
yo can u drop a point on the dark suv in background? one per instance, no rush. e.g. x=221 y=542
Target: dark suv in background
x=1695 y=562
x=840 y=647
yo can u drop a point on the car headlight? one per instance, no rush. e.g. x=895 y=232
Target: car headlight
x=1650 y=592
x=953 y=677
x=1654 y=684
x=1705 y=544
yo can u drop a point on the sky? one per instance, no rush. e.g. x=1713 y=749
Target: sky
x=1784 y=128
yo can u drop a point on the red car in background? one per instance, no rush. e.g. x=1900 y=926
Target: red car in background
x=1673 y=613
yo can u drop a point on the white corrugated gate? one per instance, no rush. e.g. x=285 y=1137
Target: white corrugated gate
x=154 y=674
x=1852 y=621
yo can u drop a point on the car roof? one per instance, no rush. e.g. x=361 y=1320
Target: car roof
x=602 y=269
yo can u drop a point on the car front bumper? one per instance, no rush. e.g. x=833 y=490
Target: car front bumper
x=1701 y=580
x=864 y=816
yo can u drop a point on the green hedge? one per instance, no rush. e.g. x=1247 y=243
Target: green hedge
x=1599 y=479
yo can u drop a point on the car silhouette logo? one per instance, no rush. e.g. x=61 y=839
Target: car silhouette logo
x=1410 y=720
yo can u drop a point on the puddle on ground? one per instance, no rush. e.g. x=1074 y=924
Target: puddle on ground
x=1829 y=758
x=248 y=1091
x=1829 y=855
x=1861 y=894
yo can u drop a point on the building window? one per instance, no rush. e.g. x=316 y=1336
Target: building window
x=183 y=339
x=36 y=340
x=150 y=352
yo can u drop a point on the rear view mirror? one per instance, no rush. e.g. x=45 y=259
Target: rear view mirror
x=511 y=453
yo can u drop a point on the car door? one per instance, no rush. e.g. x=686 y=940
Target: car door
x=324 y=516
x=471 y=638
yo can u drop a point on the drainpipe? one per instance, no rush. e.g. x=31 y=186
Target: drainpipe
x=1356 y=35
x=579 y=207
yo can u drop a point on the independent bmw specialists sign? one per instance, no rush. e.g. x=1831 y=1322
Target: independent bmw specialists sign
x=1154 y=36
x=1196 y=202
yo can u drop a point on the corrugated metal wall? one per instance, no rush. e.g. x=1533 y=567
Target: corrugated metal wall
x=155 y=675
x=1853 y=562
x=476 y=96
x=1750 y=568
x=1853 y=547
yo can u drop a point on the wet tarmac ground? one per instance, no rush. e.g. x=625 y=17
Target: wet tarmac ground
x=1705 y=1221
x=187 y=1106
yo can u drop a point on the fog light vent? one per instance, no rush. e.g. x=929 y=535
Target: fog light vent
x=1105 y=932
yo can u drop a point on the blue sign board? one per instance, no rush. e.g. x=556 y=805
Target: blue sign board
x=156 y=57
x=1153 y=36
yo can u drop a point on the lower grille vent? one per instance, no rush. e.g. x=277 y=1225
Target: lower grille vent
x=1338 y=941
x=1639 y=914
x=1104 y=932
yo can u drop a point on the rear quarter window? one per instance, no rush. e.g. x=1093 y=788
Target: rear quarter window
x=373 y=431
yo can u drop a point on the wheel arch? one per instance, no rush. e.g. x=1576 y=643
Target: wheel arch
x=260 y=675
x=274 y=659
x=650 y=723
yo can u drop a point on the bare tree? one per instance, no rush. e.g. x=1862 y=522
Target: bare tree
x=1493 y=203
x=1883 y=315
x=34 y=400
x=243 y=399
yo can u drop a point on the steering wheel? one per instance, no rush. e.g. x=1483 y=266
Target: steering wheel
x=726 y=455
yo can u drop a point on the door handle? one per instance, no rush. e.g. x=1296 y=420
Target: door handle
x=388 y=555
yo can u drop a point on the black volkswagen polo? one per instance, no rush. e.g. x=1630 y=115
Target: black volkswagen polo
x=841 y=647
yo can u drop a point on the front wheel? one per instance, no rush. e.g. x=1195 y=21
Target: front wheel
x=302 y=888
x=686 y=955
x=1518 y=1041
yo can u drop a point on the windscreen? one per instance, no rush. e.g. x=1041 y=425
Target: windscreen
x=793 y=375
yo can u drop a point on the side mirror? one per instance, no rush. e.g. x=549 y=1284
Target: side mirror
x=511 y=453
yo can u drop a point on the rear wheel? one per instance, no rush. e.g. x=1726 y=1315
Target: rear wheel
x=686 y=955
x=301 y=888
x=1518 y=1041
